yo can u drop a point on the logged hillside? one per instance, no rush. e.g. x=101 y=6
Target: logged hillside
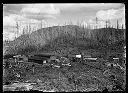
x=64 y=39
x=67 y=44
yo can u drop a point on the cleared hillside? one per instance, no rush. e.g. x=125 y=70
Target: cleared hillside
x=64 y=39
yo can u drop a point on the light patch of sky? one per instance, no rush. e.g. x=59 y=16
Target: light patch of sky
x=59 y=14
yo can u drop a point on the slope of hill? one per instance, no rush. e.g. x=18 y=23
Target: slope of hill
x=34 y=41
x=66 y=38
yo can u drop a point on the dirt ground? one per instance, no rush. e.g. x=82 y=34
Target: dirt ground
x=78 y=77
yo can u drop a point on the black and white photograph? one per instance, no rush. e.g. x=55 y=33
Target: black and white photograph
x=64 y=47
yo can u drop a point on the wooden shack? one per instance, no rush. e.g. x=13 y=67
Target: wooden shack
x=39 y=58
x=23 y=58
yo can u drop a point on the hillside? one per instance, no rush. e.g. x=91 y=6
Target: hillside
x=63 y=39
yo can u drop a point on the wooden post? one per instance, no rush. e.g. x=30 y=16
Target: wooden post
x=16 y=61
x=82 y=57
x=33 y=68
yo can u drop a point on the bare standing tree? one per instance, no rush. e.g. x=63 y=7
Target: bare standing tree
x=17 y=27
x=29 y=25
x=122 y=26
x=96 y=22
x=23 y=31
x=117 y=25
x=50 y=32
x=26 y=29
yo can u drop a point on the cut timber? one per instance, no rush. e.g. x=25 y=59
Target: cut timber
x=90 y=58
x=78 y=56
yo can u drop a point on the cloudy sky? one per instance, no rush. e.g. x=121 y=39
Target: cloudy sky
x=50 y=14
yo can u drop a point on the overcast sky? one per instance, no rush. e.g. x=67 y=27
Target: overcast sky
x=54 y=14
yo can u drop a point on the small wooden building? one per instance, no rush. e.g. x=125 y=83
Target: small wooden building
x=39 y=58
x=20 y=58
